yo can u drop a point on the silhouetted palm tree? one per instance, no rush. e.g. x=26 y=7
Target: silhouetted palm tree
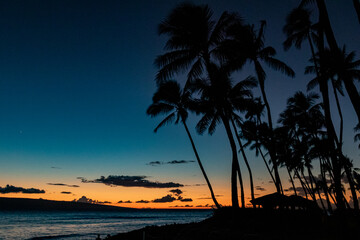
x=193 y=38
x=219 y=99
x=170 y=99
x=256 y=53
x=298 y=28
x=340 y=67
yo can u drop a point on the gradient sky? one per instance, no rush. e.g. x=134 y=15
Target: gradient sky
x=76 y=78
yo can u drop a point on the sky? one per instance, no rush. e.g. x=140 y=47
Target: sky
x=76 y=78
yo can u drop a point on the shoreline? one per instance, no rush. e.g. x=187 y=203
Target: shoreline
x=229 y=224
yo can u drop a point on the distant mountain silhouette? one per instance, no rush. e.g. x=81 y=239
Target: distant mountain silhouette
x=27 y=204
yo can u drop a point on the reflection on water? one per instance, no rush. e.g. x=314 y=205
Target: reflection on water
x=86 y=225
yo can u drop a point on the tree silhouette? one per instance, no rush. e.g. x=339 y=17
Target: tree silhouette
x=170 y=99
x=192 y=43
x=218 y=101
x=257 y=53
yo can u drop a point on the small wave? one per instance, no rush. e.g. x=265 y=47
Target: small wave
x=112 y=217
x=56 y=237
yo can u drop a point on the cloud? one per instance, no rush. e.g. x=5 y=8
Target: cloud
x=84 y=199
x=176 y=192
x=56 y=167
x=188 y=206
x=12 y=189
x=143 y=201
x=130 y=181
x=66 y=192
x=62 y=184
x=259 y=188
x=157 y=163
x=186 y=200
x=299 y=190
x=167 y=198
x=121 y=201
x=180 y=161
x=210 y=197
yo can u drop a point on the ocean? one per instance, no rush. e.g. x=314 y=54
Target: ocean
x=33 y=225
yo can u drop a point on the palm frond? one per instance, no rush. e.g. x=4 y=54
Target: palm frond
x=279 y=65
x=159 y=108
x=168 y=119
x=204 y=123
x=176 y=66
x=196 y=70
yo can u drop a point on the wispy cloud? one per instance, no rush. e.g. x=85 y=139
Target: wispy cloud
x=13 y=189
x=121 y=201
x=186 y=200
x=158 y=163
x=62 y=184
x=66 y=192
x=143 y=201
x=259 y=188
x=130 y=181
x=56 y=167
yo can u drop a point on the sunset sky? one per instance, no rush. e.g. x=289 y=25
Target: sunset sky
x=76 y=78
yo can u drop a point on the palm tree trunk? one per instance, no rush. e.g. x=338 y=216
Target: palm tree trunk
x=309 y=188
x=357 y=8
x=272 y=149
x=324 y=185
x=291 y=179
x=325 y=24
x=339 y=111
x=235 y=167
x=245 y=160
x=267 y=166
x=332 y=138
x=353 y=95
x=351 y=182
x=313 y=180
x=201 y=167
x=301 y=182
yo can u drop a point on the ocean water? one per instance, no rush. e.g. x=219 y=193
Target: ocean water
x=86 y=225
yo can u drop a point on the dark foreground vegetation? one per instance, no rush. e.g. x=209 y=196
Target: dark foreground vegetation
x=305 y=144
x=230 y=223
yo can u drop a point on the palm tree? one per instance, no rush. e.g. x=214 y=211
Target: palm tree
x=346 y=68
x=218 y=101
x=341 y=68
x=170 y=99
x=256 y=53
x=193 y=38
x=304 y=120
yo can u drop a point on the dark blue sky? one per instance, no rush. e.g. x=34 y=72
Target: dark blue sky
x=76 y=78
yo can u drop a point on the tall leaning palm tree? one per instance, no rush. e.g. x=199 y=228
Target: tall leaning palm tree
x=219 y=100
x=193 y=38
x=257 y=53
x=170 y=99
